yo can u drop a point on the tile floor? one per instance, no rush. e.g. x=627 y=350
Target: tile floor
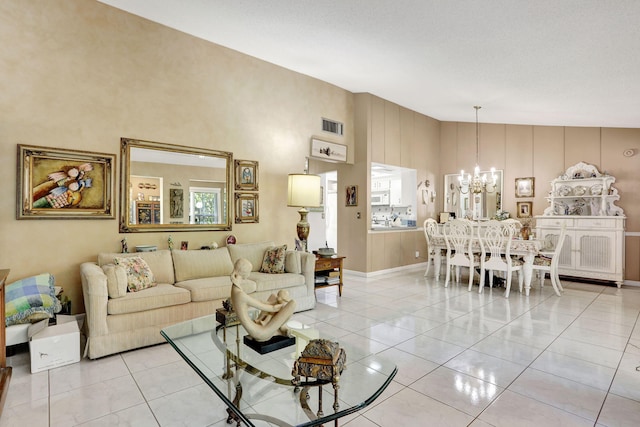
x=464 y=359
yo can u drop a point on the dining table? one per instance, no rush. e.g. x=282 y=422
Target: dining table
x=527 y=249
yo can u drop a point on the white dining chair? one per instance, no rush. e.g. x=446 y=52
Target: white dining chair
x=430 y=228
x=547 y=262
x=495 y=247
x=458 y=235
x=513 y=223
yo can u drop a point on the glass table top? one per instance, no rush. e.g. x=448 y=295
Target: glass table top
x=258 y=387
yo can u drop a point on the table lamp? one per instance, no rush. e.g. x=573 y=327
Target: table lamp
x=303 y=192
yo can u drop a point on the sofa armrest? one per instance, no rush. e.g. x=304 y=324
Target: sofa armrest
x=95 y=294
x=308 y=268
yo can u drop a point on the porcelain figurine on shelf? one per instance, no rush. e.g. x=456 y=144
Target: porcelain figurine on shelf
x=274 y=313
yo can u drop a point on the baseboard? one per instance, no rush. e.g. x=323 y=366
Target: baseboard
x=631 y=283
x=419 y=266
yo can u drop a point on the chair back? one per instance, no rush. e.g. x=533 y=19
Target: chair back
x=430 y=229
x=556 y=252
x=458 y=235
x=513 y=223
x=495 y=240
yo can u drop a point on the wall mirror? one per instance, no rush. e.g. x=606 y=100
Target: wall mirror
x=458 y=197
x=166 y=187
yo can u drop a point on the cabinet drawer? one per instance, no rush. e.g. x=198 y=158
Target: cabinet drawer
x=596 y=223
x=326 y=264
x=554 y=222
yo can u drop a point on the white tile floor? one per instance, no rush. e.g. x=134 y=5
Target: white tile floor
x=464 y=359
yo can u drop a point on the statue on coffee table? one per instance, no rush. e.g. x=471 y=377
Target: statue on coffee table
x=274 y=314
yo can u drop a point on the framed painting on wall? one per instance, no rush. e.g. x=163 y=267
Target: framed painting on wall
x=246 y=208
x=246 y=175
x=525 y=187
x=524 y=209
x=351 y=195
x=56 y=183
x=328 y=151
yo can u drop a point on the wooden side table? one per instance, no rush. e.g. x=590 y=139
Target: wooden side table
x=329 y=272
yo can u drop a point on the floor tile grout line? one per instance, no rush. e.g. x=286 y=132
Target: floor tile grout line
x=618 y=368
x=536 y=358
x=518 y=376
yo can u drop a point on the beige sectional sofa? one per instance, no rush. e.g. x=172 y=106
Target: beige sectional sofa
x=190 y=284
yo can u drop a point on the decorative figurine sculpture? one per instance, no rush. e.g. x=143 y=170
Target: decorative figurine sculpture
x=125 y=246
x=275 y=312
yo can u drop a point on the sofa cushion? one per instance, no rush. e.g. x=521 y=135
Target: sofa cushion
x=198 y=264
x=160 y=263
x=163 y=295
x=212 y=288
x=253 y=252
x=139 y=275
x=273 y=260
x=116 y=280
x=292 y=262
x=268 y=282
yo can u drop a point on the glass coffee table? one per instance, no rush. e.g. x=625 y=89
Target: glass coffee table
x=260 y=387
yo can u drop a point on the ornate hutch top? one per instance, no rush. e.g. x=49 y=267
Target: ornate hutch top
x=583 y=191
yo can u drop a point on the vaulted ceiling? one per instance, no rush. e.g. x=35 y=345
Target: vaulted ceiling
x=544 y=62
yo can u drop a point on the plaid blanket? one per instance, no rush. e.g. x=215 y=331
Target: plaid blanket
x=30 y=299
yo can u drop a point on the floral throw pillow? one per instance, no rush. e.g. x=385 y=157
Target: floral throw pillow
x=139 y=275
x=273 y=261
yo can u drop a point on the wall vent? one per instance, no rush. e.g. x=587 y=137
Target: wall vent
x=332 y=126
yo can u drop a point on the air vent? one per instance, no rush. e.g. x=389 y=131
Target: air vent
x=333 y=127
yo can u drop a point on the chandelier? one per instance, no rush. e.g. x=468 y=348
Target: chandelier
x=477 y=183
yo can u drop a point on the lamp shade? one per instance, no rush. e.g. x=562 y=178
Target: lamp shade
x=303 y=190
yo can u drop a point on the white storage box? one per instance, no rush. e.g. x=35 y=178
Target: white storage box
x=53 y=346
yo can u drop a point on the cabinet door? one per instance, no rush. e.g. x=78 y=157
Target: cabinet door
x=395 y=192
x=596 y=251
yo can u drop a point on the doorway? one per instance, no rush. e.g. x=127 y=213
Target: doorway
x=324 y=220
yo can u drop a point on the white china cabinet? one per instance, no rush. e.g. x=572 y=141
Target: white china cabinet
x=582 y=199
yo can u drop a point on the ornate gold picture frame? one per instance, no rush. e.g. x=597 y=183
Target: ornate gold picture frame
x=246 y=175
x=525 y=187
x=524 y=209
x=246 y=208
x=56 y=183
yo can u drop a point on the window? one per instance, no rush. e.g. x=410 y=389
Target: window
x=204 y=205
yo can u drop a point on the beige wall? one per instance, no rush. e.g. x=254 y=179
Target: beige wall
x=391 y=134
x=81 y=75
x=544 y=152
x=78 y=74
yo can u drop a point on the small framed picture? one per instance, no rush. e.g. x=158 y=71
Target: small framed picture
x=184 y=245
x=246 y=208
x=351 y=195
x=525 y=187
x=246 y=175
x=524 y=209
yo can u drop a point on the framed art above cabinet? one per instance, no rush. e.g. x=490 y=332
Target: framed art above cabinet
x=204 y=175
